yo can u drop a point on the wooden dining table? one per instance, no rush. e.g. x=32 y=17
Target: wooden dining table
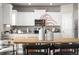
x=36 y=40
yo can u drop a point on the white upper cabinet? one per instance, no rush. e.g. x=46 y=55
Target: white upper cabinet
x=25 y=18
x=28 y=18
x=7 y=13
x=14 y=17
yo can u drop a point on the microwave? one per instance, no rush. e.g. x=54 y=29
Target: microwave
x=39 y=22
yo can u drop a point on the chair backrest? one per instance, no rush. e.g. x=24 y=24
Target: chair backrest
x=36 y=46
x=66 y=46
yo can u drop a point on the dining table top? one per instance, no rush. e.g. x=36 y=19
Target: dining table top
x=36 y=40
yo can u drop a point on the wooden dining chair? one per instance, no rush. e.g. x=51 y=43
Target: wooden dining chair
x=38 y=49
x=65 y=49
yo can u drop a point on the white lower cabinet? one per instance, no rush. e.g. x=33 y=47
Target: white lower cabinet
x=57 y=35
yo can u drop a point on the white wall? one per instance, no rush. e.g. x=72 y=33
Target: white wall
x=78 y=20
x=75 y=19
x=67 y=21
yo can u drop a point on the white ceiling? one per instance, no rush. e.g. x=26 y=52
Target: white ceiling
x=38 y=4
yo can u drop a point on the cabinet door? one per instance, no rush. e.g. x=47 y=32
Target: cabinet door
x=25 y=18
x=14 y=17
x=57 y=35
x=7 y=13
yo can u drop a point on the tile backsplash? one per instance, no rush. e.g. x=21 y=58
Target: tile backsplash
x=34 y=29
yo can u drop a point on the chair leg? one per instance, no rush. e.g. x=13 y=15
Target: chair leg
x=13 y=50
x=47 y=51
x=53 y=51
x=24 y=50
x=77 y=51
x=61 y=51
